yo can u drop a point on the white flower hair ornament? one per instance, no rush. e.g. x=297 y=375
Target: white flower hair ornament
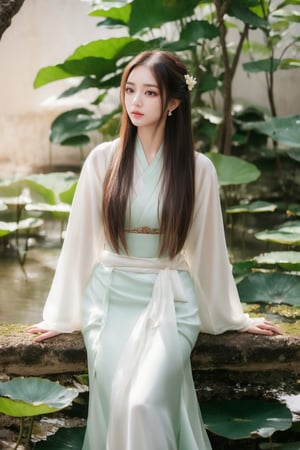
x=190 y=81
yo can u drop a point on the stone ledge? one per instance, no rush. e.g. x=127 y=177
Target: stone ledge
x=232 y=351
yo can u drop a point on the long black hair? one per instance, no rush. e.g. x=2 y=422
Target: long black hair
x=178 y=175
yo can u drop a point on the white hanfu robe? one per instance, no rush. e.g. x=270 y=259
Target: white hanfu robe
x=140 y=315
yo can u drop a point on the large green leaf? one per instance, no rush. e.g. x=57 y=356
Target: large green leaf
x=64 y=439
x=97 y=58
x=73 y=124
x=233 y=170
x=120 y=14
x=23 y=397
x=198 y=29
x=239 y=419
x=262 y=65
x=239 y=10
x=270 y=288
x=155 y=13
x=282 y=129
x=289 y=260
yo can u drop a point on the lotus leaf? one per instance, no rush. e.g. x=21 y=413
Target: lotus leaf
x=279 y=236
x=289 y=260
x=254 y=207
x=22 y=225
x=67 y=196
x=282 y=129
x=47 y=187
x=270 y=288
x=239 y=419
x=291 y=226
x=24 y=397
x=60 y=210
x=233 y=170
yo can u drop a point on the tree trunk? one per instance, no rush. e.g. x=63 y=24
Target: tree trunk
x=8 y=8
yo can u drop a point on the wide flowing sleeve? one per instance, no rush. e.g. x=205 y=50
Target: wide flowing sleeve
x=81 y=250
x=206 y=253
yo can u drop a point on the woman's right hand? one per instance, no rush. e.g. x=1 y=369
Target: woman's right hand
x=42 y=334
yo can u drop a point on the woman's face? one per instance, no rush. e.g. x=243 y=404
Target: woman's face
x=143 y=100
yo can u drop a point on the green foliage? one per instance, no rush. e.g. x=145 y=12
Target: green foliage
x=29 y=397
x=238 y=419
x=282 y=129
x=276 y=288
x=232 y=170
x=24 y=397
x=288 y=260
x=258 y=206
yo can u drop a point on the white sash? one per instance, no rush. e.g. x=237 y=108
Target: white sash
x=158 y=321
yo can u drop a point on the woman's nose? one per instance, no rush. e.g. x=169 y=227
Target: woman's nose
x=137 y=99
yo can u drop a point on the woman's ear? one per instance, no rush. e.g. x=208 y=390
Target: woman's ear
x=173 y=104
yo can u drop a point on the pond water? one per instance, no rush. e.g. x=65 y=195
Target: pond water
x=22 y=295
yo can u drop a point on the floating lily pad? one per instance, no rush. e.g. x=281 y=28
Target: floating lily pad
x=24 y=397
x=286 y=260
x=254 y=207
x=240 y=419
x=291 y=226
x=59 y=210
x=23 y=225
x=270 y=288
x=279 y=236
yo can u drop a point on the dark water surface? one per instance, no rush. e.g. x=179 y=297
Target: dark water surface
x=22 y=296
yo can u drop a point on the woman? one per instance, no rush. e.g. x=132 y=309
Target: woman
x=144 y=268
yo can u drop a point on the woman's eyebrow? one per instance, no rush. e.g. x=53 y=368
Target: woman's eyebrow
x=145 y=84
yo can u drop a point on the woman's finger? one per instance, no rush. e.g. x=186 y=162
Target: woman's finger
x=46 y=335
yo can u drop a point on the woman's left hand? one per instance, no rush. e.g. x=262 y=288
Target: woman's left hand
x=264 y=327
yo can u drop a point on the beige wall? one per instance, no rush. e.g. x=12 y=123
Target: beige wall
x=45 y=32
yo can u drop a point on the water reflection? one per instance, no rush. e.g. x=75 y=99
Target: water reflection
x=22 y=298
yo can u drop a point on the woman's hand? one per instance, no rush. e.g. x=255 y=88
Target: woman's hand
x=42 y=334
x=263 y=327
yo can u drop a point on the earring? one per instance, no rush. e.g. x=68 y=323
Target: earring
x=169 y=113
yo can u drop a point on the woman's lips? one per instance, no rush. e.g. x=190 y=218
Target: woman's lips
x=136 y=114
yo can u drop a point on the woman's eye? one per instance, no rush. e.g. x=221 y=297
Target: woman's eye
x=151 y=93
x=128 y=90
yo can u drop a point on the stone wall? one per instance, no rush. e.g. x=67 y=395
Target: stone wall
x=232 y=364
